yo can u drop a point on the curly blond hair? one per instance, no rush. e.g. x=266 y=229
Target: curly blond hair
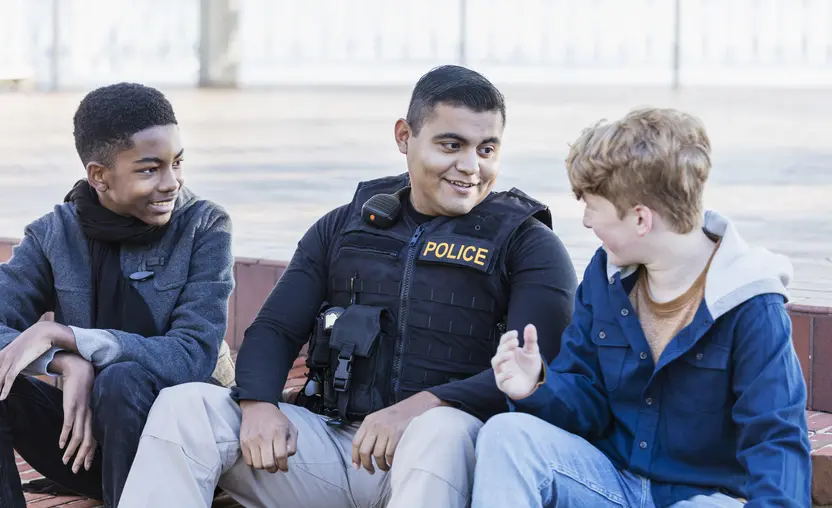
x=659 y=158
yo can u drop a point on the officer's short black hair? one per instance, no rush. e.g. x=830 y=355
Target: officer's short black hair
x=455 y=86
x=108 y=116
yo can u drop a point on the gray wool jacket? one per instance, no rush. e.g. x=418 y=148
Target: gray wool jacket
x=188 y=295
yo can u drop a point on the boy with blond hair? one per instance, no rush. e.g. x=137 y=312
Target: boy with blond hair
x=677 y=383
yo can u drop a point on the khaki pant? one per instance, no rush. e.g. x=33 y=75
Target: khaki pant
x=191 y=444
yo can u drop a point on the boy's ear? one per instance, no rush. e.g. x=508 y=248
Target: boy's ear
x=644 y=220
x=97 y=176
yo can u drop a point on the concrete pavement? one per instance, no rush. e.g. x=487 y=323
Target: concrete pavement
x=278 y=159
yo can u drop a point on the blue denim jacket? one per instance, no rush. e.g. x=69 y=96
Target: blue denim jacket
x=188 y=296
x=723 y=409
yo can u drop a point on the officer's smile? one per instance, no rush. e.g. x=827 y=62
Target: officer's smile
x=461 y=187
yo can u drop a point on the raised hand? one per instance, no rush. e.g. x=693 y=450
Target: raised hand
x=517 y=369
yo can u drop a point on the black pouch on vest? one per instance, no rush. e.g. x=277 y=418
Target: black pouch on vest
x=353 y=344
x=318 y=358
x=318 y=355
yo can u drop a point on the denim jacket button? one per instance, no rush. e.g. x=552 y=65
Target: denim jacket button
x=602 y=335
x=642 y=445
x=643 y=355
x=624 y=312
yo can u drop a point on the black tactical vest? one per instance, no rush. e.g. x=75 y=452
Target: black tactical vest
x=422 y=307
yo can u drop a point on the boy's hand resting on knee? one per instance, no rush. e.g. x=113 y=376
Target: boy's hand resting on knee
x=517 y=369
x=25 y=349
x=267 y=437
x=76 y=434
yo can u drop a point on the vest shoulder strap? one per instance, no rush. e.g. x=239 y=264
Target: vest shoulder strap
x=385 y=185
x=542 y=213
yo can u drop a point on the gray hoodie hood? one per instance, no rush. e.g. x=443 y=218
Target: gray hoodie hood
x=738 y=272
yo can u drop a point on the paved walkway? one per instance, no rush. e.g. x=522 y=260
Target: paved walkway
x=28 y=474
x=278 y=159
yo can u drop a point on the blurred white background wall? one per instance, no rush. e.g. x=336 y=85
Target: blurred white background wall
x=77 y=44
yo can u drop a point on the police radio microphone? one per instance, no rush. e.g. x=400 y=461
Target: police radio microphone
x=383 y=210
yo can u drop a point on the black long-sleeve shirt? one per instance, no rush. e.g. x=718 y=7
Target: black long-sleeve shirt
x=542 y=284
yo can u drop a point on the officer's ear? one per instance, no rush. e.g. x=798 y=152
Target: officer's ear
x=402 y=134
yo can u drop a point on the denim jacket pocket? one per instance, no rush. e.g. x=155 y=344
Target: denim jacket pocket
x=612 y=347
x=701 y=379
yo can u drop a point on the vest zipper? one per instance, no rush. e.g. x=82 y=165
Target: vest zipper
x=405 y=294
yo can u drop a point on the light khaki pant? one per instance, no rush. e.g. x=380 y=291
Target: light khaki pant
x=190 y=445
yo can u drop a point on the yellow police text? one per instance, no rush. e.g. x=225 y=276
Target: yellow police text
x=467 y=253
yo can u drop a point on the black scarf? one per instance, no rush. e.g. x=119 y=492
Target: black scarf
x=116 y=304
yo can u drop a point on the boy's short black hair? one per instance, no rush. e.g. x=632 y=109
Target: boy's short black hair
x=455 y=86
x=108 y=116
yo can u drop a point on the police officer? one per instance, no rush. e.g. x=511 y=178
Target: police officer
x=404 y=292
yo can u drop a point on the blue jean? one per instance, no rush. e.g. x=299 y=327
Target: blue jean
x=524 y=461
x=30 y=422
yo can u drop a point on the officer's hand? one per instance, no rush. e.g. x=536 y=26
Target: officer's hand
x=381 y=431
x=267 y=437
x=517 y=369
